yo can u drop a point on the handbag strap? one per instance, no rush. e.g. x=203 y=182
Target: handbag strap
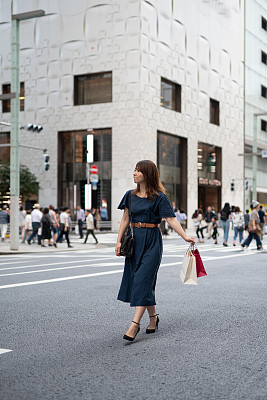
x=130 y=213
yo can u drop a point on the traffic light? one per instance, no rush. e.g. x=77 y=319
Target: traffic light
x=33 y=128
x=246 y=184
x=232 y=186
x=46 y=164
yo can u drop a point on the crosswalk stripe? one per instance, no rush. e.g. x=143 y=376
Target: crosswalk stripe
x=3 y=351
x=13 y=285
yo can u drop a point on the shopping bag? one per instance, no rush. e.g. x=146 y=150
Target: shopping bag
x=76 y=229
x=188 y=272
x=199 y=264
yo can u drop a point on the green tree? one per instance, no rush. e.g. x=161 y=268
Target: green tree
x=28 y=181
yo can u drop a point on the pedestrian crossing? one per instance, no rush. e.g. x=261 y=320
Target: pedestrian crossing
x=28 y=269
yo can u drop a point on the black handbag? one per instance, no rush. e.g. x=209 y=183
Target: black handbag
x=127 y=240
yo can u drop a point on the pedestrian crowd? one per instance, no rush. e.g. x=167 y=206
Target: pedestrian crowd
x=43 y=223
x=254 y=223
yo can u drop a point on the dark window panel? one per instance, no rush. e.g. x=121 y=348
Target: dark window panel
x=171 y=95
x=93 y=88
x=6 y=104
x=264 y=125
x=264 y=23
x=263 y=57
x=214 y=112
x=264 y=91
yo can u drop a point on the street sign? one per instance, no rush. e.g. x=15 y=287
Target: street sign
x=264 y=153
x=94 y=178
x=94 y=169
x=94 y=187
x=90 y=148
x=88 y=197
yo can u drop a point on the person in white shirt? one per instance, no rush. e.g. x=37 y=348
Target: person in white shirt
x=239 y=225
x=64 y=226
x=90 y=226
x=28 y=225
x=36 y=223
x=22 y=216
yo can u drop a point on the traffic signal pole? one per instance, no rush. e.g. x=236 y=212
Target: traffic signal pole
x=14 y=139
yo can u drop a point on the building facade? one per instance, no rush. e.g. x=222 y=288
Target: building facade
x=256 y=95
x=157 y=80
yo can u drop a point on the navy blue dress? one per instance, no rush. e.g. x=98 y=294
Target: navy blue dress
x=140 y=271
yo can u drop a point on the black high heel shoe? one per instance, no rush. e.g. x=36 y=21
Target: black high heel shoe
x=157 y=324
x=131 y=339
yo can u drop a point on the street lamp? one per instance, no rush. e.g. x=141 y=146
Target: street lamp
x=14 y=134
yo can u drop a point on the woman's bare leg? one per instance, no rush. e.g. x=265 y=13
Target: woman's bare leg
x=152 y=321
x=138 y=313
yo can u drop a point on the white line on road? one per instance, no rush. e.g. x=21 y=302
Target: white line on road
x=107 y=273
x=54 y=263
x=63 y=268
x=3 y=351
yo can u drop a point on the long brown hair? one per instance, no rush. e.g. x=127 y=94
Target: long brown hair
x=151 y=176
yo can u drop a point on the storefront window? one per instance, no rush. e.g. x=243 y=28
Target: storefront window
x=209 y=176
x=172 y=165
x=72 y=176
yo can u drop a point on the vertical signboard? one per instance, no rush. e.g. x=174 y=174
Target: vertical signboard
x=88 y=196
x=90 y=148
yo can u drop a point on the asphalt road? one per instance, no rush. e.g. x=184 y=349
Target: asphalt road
x=64 y=327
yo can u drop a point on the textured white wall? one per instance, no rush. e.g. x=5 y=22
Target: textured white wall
x=197 y=44
x=255 y=76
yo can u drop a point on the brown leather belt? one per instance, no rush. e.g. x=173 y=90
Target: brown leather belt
x=144 y=225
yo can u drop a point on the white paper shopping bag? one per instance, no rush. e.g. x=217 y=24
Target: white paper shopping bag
x=188 y=272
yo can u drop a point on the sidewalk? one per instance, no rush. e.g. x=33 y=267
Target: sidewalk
x=105 y=239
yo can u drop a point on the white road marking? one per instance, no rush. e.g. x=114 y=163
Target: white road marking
x=57 y=263
x=3 y=351
x=64 y=268
x=108 y=272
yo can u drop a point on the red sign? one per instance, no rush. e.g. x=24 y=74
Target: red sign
x=94 y=169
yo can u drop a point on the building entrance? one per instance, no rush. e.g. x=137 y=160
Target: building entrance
x=72 y=168
x=209 y=177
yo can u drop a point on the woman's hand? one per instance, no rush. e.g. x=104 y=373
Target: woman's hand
x=118 y=249
x=190 y=239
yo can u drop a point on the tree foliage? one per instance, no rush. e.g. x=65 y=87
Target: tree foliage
x=28 y=181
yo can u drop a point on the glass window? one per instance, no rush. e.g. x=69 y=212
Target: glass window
x=73 y=173
x=214 y=112
x=264 y=91
x=172 y=165
x=171 y=94
x=264 y=125
x=93 y=88
x=264 y=23
x=6 y=107
x=4 y=151
x=263 y=57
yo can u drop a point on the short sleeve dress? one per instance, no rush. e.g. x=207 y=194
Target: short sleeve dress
x=140 y=271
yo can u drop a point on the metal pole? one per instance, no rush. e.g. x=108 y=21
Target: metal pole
x=254 y=156
x=14 y=139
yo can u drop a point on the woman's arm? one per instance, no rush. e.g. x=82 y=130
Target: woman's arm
x=178 y=229
x=123 y=226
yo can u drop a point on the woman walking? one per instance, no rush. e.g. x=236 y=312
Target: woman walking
x=225 y=220
x=200 y=224
x=46 y=224
x=147 y=205
x=254 y=227
x=239 y=225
